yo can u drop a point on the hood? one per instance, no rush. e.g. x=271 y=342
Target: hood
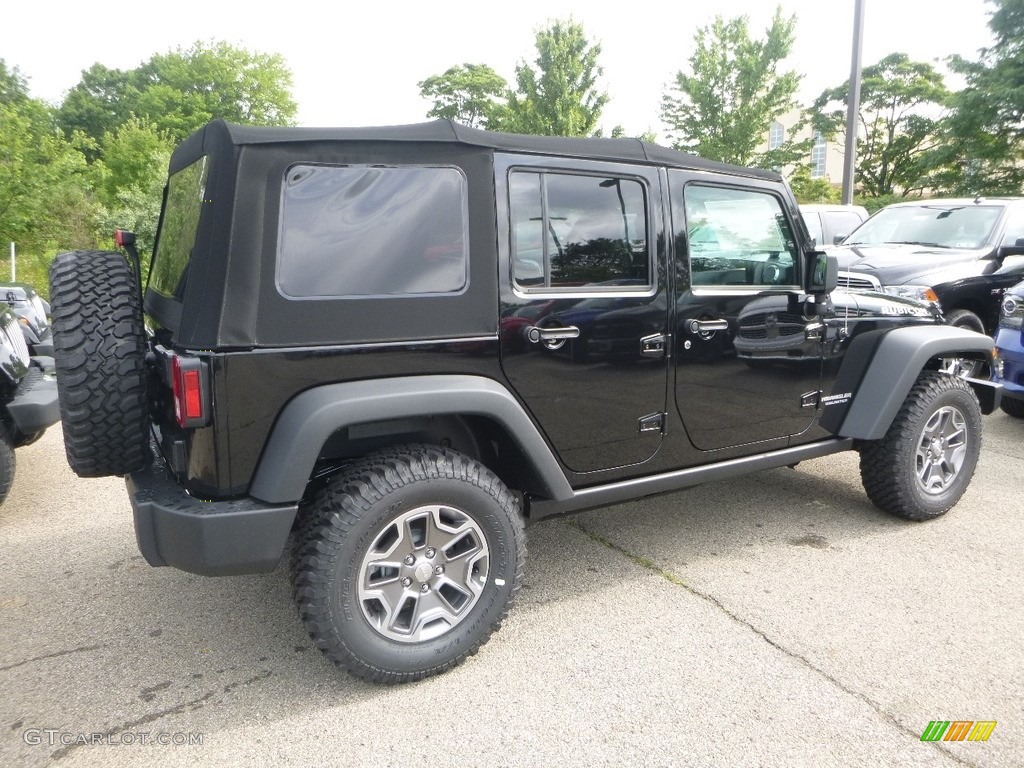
x=895 y=264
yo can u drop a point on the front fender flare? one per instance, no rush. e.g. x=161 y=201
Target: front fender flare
x=311 y=417
x=880 y=368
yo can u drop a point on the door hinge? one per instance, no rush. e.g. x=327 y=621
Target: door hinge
x=654 y=422
x=810 y=399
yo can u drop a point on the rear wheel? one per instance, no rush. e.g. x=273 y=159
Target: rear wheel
x=407 y=562
x=924 y=463
x=99 y=351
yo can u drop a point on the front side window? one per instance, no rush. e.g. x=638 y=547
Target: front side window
x=354 y=231
x=738 y=237
x=578 y=232
x=186 y=191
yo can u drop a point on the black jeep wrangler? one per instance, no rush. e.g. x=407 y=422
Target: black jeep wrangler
x=391 y=347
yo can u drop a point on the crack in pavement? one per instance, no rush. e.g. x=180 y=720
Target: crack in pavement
x=54 y=655
x=152 y=717
x=650 y=565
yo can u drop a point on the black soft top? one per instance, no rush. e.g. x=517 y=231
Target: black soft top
x=225 y=134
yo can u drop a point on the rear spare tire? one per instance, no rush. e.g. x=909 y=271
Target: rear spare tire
x=100 y=353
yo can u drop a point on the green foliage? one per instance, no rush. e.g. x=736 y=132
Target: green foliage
x=135 y=157
x=69 y=177
x=901 y=103
x=808 y=190
x=558 y=95
x=723 y=107
x=45 y=199
x=471 y=94
x=878 y=203
x=984 y=147
x=180 y=91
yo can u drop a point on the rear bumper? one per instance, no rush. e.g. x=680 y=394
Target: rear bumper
x=211 y=538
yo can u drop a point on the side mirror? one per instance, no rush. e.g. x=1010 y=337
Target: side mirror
x=1017 y=249
x=838 y=239
x=822 y=273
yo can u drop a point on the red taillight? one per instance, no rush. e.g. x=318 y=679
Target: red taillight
x=187 y=386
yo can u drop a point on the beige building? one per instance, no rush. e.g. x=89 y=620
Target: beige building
x=826 y=157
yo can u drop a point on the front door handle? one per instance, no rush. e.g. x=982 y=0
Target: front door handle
x=701 y=327
x=535 y=334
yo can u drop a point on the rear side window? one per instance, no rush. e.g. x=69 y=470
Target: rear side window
x=574 y=231
x=361 y=231
x=186 y=191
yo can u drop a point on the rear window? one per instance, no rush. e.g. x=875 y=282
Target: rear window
x=186 y=191
x=362 y=231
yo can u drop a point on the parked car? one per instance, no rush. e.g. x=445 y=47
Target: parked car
x=33 y=313
x=1008 y=367
x=28 y=395
x=831 y=224
x=295 y=372
x=960 y=253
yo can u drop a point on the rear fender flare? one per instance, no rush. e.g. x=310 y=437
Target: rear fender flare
x=311 y=417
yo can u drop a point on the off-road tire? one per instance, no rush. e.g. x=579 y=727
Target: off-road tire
x=891 y=469
x=349 y=516
x=7 y=463
x=1012 y=406
x=964 y=318
x=100 y=350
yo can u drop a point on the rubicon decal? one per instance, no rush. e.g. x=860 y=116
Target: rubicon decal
x=958 y=730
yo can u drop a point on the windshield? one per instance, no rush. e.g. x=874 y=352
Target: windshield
x=966 y=226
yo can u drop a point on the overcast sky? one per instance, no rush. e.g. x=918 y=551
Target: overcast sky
x=358 y=64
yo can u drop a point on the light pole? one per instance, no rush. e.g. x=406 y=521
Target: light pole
x=853 y=103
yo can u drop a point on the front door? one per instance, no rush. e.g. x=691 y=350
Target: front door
x=748 y=356
x=584 y=306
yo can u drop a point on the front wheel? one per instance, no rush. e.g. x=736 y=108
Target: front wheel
x=407 y=562
x=924 y=463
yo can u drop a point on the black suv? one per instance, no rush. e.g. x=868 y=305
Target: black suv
x=960 y=253
x=392 y=347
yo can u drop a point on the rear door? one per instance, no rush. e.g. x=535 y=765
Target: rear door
x=584 y=319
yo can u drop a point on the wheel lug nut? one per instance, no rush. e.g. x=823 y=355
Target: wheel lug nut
x=430 y=552
x=424 y=588
x=409 y=560
x=406 y=582
x=438 y=569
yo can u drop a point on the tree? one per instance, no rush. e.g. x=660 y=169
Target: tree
x=722 y=108
x=471 y=94
x=984 y=148
x=179 y=91
x=558 y=95
x=45 y=187
x=901 y=105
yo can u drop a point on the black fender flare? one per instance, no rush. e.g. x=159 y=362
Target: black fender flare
x=312 y=416
x=880 y=367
